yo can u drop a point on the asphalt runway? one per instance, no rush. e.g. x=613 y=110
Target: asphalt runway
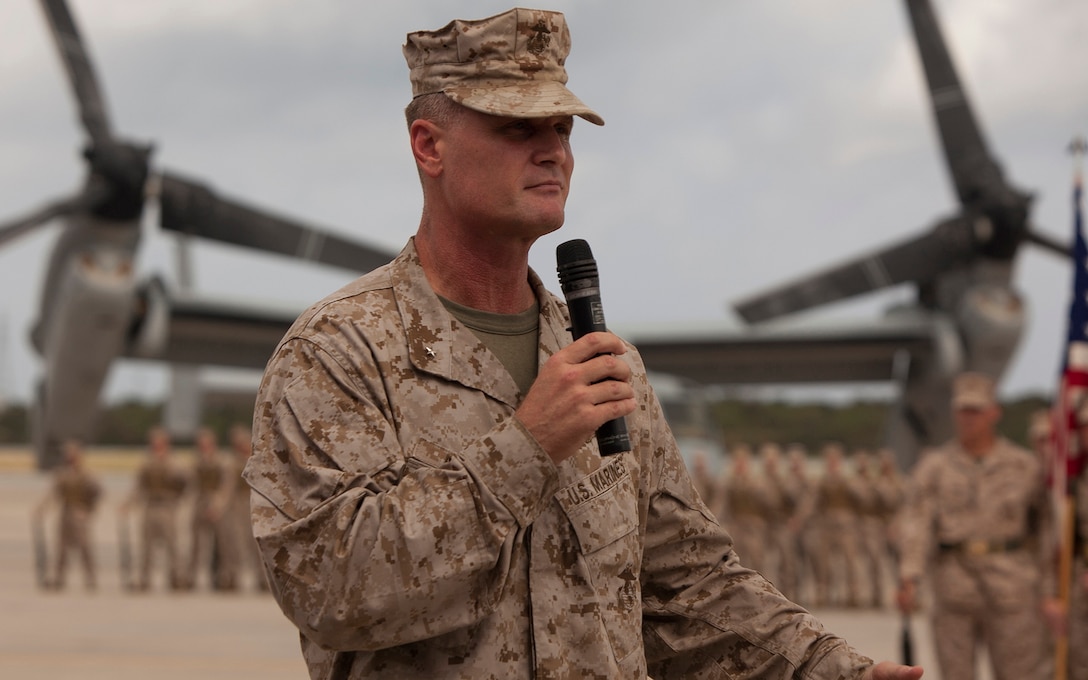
x=112 y=634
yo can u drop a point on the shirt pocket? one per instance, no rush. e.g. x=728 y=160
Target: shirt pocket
x=602 y=510
x=955 y=494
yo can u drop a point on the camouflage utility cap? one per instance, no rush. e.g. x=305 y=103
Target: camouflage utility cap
x=973 y=390
x=510 y=64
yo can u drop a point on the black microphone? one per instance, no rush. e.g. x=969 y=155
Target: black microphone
x=582 y=289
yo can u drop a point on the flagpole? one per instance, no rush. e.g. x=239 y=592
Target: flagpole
x=1065 y=582
x=1067 y=435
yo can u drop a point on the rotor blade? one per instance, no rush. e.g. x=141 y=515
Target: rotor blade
x=918 y=259
x=1049 y=243
x=77 y=63
x=969 y=161
x=24 y=225
x=193 y=208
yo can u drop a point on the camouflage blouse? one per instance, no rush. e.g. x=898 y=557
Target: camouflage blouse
x=412 y=527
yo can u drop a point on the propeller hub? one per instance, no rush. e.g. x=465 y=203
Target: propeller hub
x=118 y=174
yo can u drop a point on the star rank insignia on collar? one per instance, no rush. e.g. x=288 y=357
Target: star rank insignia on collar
x=430 y=351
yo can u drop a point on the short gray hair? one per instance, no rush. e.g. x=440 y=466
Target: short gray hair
x=435 y=107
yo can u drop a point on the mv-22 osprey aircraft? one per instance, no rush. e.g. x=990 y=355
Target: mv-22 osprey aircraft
x=967 y=314
x=93 y=309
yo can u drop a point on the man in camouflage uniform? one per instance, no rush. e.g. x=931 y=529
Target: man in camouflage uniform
x=77 y=491
x=978 y=505
x=428 y=495
x=744 y=509
x=872 y=535
x=208 y=543
x=799 y=488
x=832 y=510
x=780 y=501
x=160 y=484
x=890 y=490
x=240 y=553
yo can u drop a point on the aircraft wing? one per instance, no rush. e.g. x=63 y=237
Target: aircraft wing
x=796 y=354
x=205 y=331
x=214 y=332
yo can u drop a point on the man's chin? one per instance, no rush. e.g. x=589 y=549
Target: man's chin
x=547 y=222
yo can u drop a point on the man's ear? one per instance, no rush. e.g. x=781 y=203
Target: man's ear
x=426 y=140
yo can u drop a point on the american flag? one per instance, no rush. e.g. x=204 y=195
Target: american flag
x=1074 y=377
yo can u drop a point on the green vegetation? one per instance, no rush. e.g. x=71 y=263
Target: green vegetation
x=127 y=423
x=855 y=425
x=14 y=424
x=809 y=424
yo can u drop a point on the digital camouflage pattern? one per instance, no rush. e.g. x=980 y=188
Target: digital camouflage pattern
x=77 y=489
x=159 y=488
x=78 y=492
x=981 y=529
x=511 y=64
x=830 y=509
x=240 y=556
x=871 y=529
x=746 y=508
x=210 y=548
x=411 y=527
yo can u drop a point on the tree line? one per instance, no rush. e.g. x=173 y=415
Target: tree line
x=125 y=423
x=855 y=425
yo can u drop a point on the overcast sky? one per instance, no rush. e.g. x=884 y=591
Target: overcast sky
x=746 y=142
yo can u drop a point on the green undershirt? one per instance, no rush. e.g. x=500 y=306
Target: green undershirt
x=513 y=338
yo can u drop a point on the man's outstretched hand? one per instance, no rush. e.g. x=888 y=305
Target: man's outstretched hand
x=888 y=670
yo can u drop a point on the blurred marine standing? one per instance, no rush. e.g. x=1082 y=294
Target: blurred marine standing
x=744 y=509
x=872 y=533
x=77 y=492
x=832 y=509
x=207 y=545
x=242 y=554
x=978 y=506
x=159 y=486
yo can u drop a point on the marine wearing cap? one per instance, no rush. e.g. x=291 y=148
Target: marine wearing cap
x=406 y=538
x=973 y=390
x=977 y=525
x=511 y=64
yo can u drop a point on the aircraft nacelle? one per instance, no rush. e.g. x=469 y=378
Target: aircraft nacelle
x=89 y=317
x=921 y=417
x=980 y=334
x=150 y=330
x=990 y=318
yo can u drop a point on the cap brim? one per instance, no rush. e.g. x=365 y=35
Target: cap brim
x=531 y=99
x=972 y=401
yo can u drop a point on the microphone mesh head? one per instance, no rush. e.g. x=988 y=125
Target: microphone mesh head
x=572 y=251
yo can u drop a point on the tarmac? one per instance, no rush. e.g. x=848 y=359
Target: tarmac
x=114 y=634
